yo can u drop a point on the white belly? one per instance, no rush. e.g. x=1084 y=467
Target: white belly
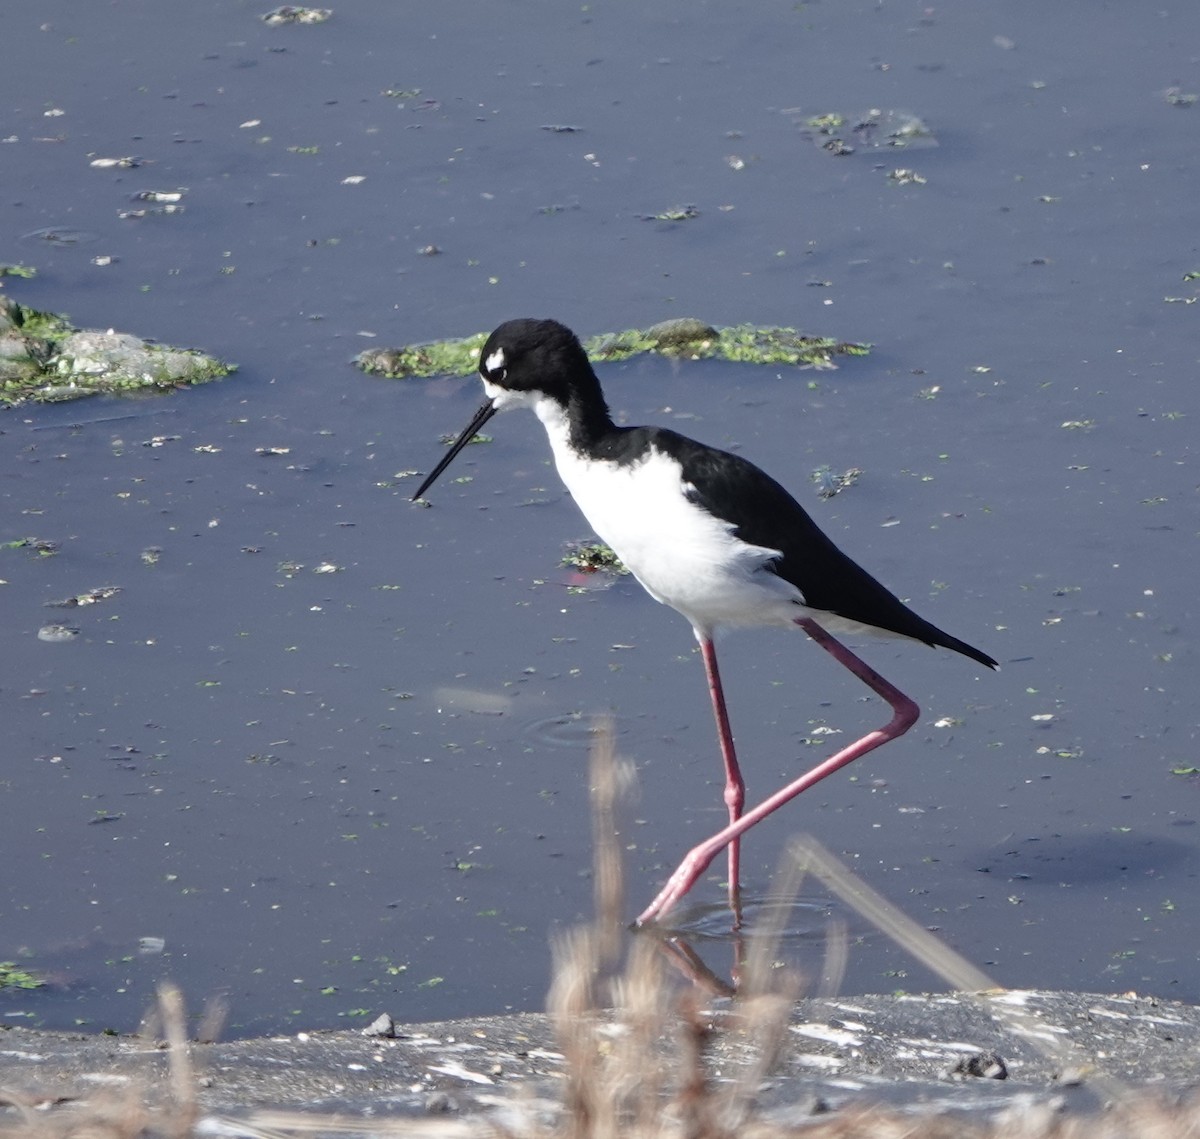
x=681 y=554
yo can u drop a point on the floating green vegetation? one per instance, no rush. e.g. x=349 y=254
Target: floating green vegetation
x=1192 y=277
x=18 y=320
x=902 y=176
x=477 y=438
x=44 y=358
x=12 y=976
x=41 y=546
x=686 y=337
x=91 y=597
x=841 y=134
x=17 y=271
x=593 y=557
x=293 y=14
x=441 y=358
x=827 y=123
x=829 y=484
x=674 y=213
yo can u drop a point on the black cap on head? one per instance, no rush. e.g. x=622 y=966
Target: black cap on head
x=527 y=354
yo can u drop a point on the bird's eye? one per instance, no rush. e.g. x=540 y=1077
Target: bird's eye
x=493 y=366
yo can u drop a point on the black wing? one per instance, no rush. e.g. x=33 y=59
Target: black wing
x=764 y=514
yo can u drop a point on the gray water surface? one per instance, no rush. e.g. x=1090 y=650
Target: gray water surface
x=331 y=748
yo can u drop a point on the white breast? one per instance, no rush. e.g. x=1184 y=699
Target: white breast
x=682 y=555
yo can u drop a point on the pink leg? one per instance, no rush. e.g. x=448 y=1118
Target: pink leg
x=904 y=715
x=735 y=787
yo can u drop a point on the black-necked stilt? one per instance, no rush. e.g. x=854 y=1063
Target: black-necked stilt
x=707 y=533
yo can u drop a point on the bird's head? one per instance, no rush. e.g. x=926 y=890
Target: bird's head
x=526 y=359
x=523 y=363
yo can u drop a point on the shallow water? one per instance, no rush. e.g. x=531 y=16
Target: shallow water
x=331 y=748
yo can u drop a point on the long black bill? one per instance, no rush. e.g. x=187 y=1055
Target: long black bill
x=481 y=417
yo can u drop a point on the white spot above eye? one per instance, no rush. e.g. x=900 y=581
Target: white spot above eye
x=495 y=362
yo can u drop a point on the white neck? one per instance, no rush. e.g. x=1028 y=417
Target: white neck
x=554 y=419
